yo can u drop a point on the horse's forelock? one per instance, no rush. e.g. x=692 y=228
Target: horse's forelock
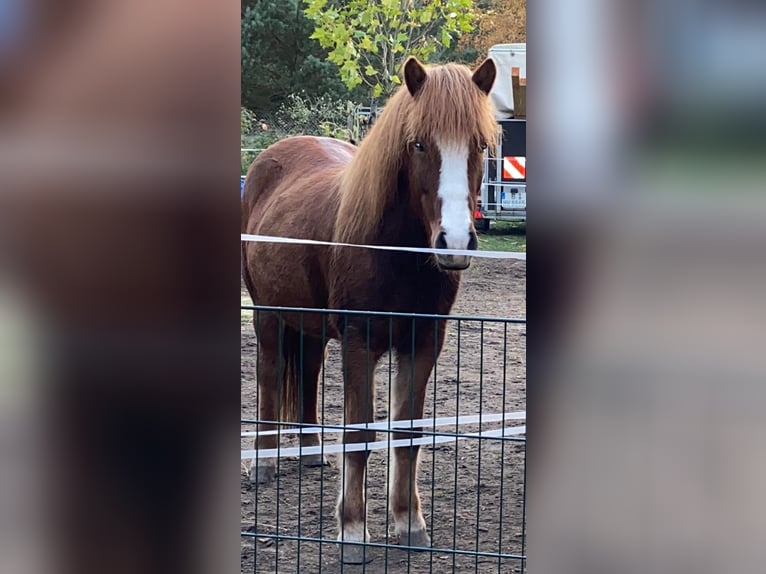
x=450 y=107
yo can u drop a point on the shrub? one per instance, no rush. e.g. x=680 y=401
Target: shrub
x=298 y=115
x=322 y=116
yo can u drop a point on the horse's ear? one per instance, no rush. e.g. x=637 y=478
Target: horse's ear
x=414 y=75
x=484 y=75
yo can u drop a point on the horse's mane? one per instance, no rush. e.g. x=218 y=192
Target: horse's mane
x=449 y=104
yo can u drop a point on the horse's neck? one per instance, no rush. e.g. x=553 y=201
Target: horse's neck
x=400 y=224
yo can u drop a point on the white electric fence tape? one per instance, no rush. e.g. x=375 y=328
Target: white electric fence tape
x=378 y=445
x=400 y=424
x=467 y=252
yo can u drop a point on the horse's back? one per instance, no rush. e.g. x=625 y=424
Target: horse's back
x=291 y=190
x=288 y=166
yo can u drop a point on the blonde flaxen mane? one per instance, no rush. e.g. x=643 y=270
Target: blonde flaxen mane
x=449 y=106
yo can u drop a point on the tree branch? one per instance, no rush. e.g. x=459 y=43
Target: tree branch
x=369 y=80
x=409 y=42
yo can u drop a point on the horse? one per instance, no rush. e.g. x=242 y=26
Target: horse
x=412 y=182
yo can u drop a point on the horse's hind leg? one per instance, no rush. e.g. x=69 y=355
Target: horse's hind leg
x=270 y=373
x=311 y=357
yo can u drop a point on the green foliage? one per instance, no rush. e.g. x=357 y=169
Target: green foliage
x=299 y=114
x=322 y=116
x=247 y=120
x=253 y=136
x=279 y=58
x=368 y=41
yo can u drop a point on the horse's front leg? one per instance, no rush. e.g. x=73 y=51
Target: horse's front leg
x=408 y=397
x=359 y=398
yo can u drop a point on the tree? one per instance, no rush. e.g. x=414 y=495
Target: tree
x=369 y=40
x=498 y=22
x=279 y=58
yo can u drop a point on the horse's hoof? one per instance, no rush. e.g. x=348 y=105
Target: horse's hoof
x=314 y=460
x=416 y=538
x=355 y=554
x=263 y=473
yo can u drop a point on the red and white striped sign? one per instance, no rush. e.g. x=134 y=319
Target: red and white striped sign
x=514 y=167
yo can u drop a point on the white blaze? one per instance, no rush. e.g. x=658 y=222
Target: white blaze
x=453 y=191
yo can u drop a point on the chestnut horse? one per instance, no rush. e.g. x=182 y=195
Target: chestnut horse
x=413 y=181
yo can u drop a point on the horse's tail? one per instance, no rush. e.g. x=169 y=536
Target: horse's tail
x=290 y=400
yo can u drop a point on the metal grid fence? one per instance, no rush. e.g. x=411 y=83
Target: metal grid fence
x=472 y=458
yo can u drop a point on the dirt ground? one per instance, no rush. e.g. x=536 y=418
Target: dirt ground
x=472 y=490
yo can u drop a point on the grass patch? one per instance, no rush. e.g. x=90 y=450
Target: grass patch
x=504 y=236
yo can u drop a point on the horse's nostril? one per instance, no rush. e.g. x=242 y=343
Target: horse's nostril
x=441 y=241
x=473 y=241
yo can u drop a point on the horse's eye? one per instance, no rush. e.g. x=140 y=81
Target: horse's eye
x=419 y=146
x=483 y=146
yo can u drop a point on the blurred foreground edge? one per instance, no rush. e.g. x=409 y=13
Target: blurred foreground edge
x=118 y=135
x=646 y=275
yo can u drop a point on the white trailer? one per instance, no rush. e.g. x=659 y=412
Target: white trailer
x=504 y=189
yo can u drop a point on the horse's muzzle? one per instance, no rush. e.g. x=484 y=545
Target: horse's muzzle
x=455 y=262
